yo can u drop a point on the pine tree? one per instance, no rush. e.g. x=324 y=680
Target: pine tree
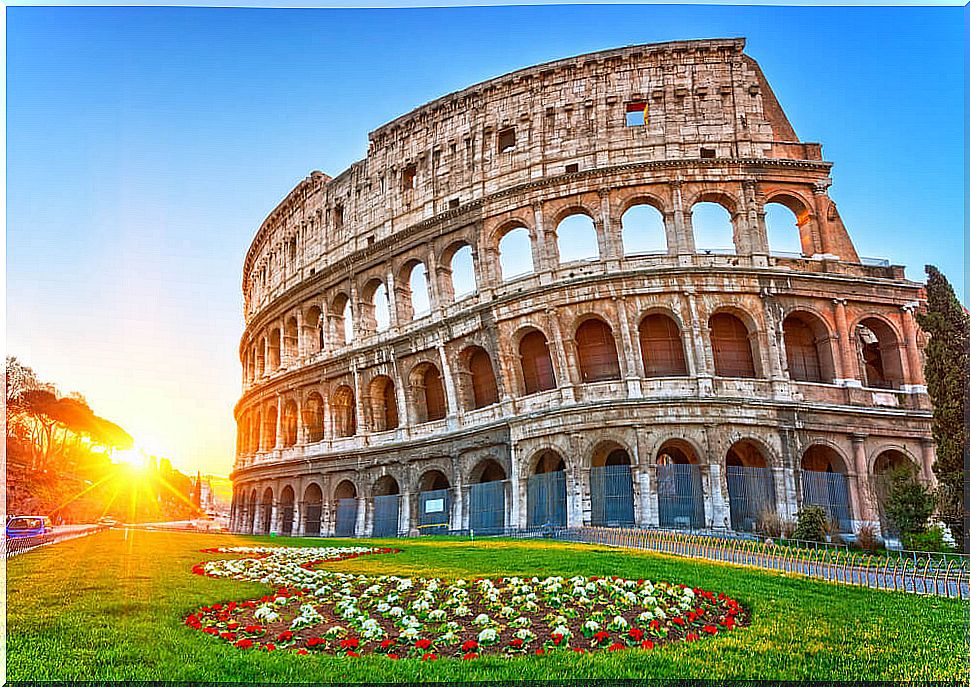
x=947 y=371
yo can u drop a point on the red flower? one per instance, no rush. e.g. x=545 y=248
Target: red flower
x=616 y=646
x=302 y=652
x=253 y=629
x=540 y=652
x=210 y=630
x=350 y=643
x=216 y=607
x=691 y=636
x=423 y=643
x=231 y=636
x=469 y=645
x=269 y=647
x=352 y=654
x=557 y=638
x=315 y=641
x=232 y=626
x=636 y=634
x=244 y=644
x=679 y=621
x=469 y=656
x=285 y=636
x=387 y=643
x=516 y=643
x=710 y=629
x=601 y=637
x=700 y=611
x=393 y=656
x=647 y=644
x=691 y=616
x=579 y=650
x=429 y=657
x=654 y=624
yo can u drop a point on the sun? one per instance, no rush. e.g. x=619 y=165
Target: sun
x=135 y=457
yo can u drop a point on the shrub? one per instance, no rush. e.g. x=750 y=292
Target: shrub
x=812 y=524
x=770 y=524
x=866 y=539
x=909 y=503
x=930 y=540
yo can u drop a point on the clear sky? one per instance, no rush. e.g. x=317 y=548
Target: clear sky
x=146 y=145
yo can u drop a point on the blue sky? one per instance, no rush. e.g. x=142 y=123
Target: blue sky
x=145 y=145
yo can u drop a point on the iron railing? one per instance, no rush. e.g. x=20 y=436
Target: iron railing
x=14 y=547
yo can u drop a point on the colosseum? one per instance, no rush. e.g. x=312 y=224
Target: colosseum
x=509 y=316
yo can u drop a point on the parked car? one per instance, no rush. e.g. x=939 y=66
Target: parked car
x=21 y=526
x=107 y=522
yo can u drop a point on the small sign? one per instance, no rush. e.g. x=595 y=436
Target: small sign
x=434 y=506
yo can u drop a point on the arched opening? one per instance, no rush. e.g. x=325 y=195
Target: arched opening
x=596 y=349
x=312 y=510
x=289 y=423
x=643 y=230
x=428 y=393
x=481 y=388
x=377 y=307
x=255 y=432
x=547 y=491
x=463 y=282
x=287 y=499
x=731 y=342
x=712 y=227
x=420 y=291
x=887 y=464
x=879 y=354
x=313 y=417
x=807 y=349
x=661 y=347
x=486 y=497
x=751 y=486
x=611 y=486
x=274 y=349
x=576 y=239
x=387 y=507
x=383 y=404
x=434 y=503
x=291 y=339
x=343 y=318
x=269 y=429
x=266 y=523
x=252 y=515
x=313 y=330
x=782 y=226
x=345 y=498
x=537 y=372
x=515 y=254
x=260 y=357
x=343 y=412
x=680 y=491
x=824 y=484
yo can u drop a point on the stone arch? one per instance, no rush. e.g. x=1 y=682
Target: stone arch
x=255 y=431
x=343 y=411
x=643 y=227
x=287 y=511
x=269 y=428
x=680 y=487
x=479 y=383
x=880 y=358
x=253 y=515
x=413 y=289
x=342 y=317
x=611 y=484
x=515 y=251
x=546 y=484
x=577 y=237
x=428 y=392
x=273 y=349
x=345 y=505
x=289 y=424
x=345 y=489
x=750 y=481
x=535 y=361
x=885 y=462
x=712 y=231
x=375 y=306
x=260 y=356
x=661 y=344
x=824 y=483
x=808 y=347
x=313 y=330
x=789 y=236
x=596 y=350
x=266 y=511
x=291 y=339
x=458 y=271
x=734 y=343
x=386 y=485
x=487 y=496
x=313 y=416
x=382 y=402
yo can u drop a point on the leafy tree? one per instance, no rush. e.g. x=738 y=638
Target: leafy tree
x=909 y=503
x=947 y=372
x=812 y=524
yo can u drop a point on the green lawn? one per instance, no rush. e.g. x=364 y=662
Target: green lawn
x=107 y=607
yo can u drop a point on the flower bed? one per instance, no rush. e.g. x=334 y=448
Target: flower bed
x=320 y=611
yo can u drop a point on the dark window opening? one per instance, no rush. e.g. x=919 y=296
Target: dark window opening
x=338 y=216
x=572 y=168
x=407 y=177
x=537 y=373
x=453 y=203
x=598 y=359
x=506 y=140
x=708 y=153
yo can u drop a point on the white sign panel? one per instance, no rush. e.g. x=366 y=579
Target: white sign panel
x=434 y=506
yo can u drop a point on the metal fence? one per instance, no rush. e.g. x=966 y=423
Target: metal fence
x=14 y=547
x=311 y=519
x=751 y=492
x=387 y=510
x=346 y=522
x=946 y=575
x=611 y=495
x=680 y=496
x=434 y=511
x=486 y=507
x=830 y=490
x=547 y=499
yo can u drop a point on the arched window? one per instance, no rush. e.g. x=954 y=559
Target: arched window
x=387 y=507
x=889 y=464
x=313 y=417
x=879 y=354
x=261 y=357
x=546 y=499
x=429 y=393
x=661 y=347
x=291 y=339
x=732 y=347
x=382 y=308
x=274 y=349
x=824 y=483
x=596 y=347
x=484 y=388
x=806 y=348
x=537 y=371
x=576 y=239
x=289 y=424
x=345 y=520
x=782 y=227
x=751 y=487
x=343 y=412
x=313 y=330
x=463 y=281
x=713 y=231
x=269 y=429
x=611 y=486
x=420 y=291
x=486 y=497
x=643 y=230
x=348 y=322
x=383 y=404
x=680 y=490
x=515 y=254
x=342 y=317
x=255 y=432
x=312 y=510
x=287 y=497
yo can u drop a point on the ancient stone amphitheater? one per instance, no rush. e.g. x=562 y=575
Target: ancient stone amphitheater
x=510 y=315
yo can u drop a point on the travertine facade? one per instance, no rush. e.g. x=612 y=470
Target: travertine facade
x=754 y=371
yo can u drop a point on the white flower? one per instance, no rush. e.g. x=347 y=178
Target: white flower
x=487 y=636
x=396 y=612
x=562 y=630
x=482 y=619
x=591 y=626
x=266 y=613
x=410 y=633
x=437 y=614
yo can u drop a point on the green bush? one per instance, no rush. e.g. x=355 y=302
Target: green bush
x=812 y=524
x=930 y=540
x=909 y=504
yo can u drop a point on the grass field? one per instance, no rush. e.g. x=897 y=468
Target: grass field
x=111 y=607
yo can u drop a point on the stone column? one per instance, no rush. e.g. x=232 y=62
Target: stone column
x=568 y=372
x=927 y=458
x=542 y=258
x=301 y=433
x=274 y=519
x=279 y=422
x=648 y=489
x=298 y=526
x=432 y=279
x=404 y=525
x=361 y=520
x=391 y=300
x=632 y=363
x=847 y=355
x=682 y=235
x=300 y=343
x=868 y=514
x=610 y=247
x=700 y=343
x=457 y=519
x=913 y=358
x=363 y=426
x=399 y=393
x=453 y=410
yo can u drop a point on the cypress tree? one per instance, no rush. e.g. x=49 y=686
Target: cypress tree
x=947 y=372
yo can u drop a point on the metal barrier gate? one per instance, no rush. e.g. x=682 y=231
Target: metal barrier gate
x=752 y=493
x=486 y=507
x=346 y=518
x=611 y=496
x=313 y=512
x=680 y=496
x=547 y=499
x=434 y=509
x=830 y=490
x=387 y=510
